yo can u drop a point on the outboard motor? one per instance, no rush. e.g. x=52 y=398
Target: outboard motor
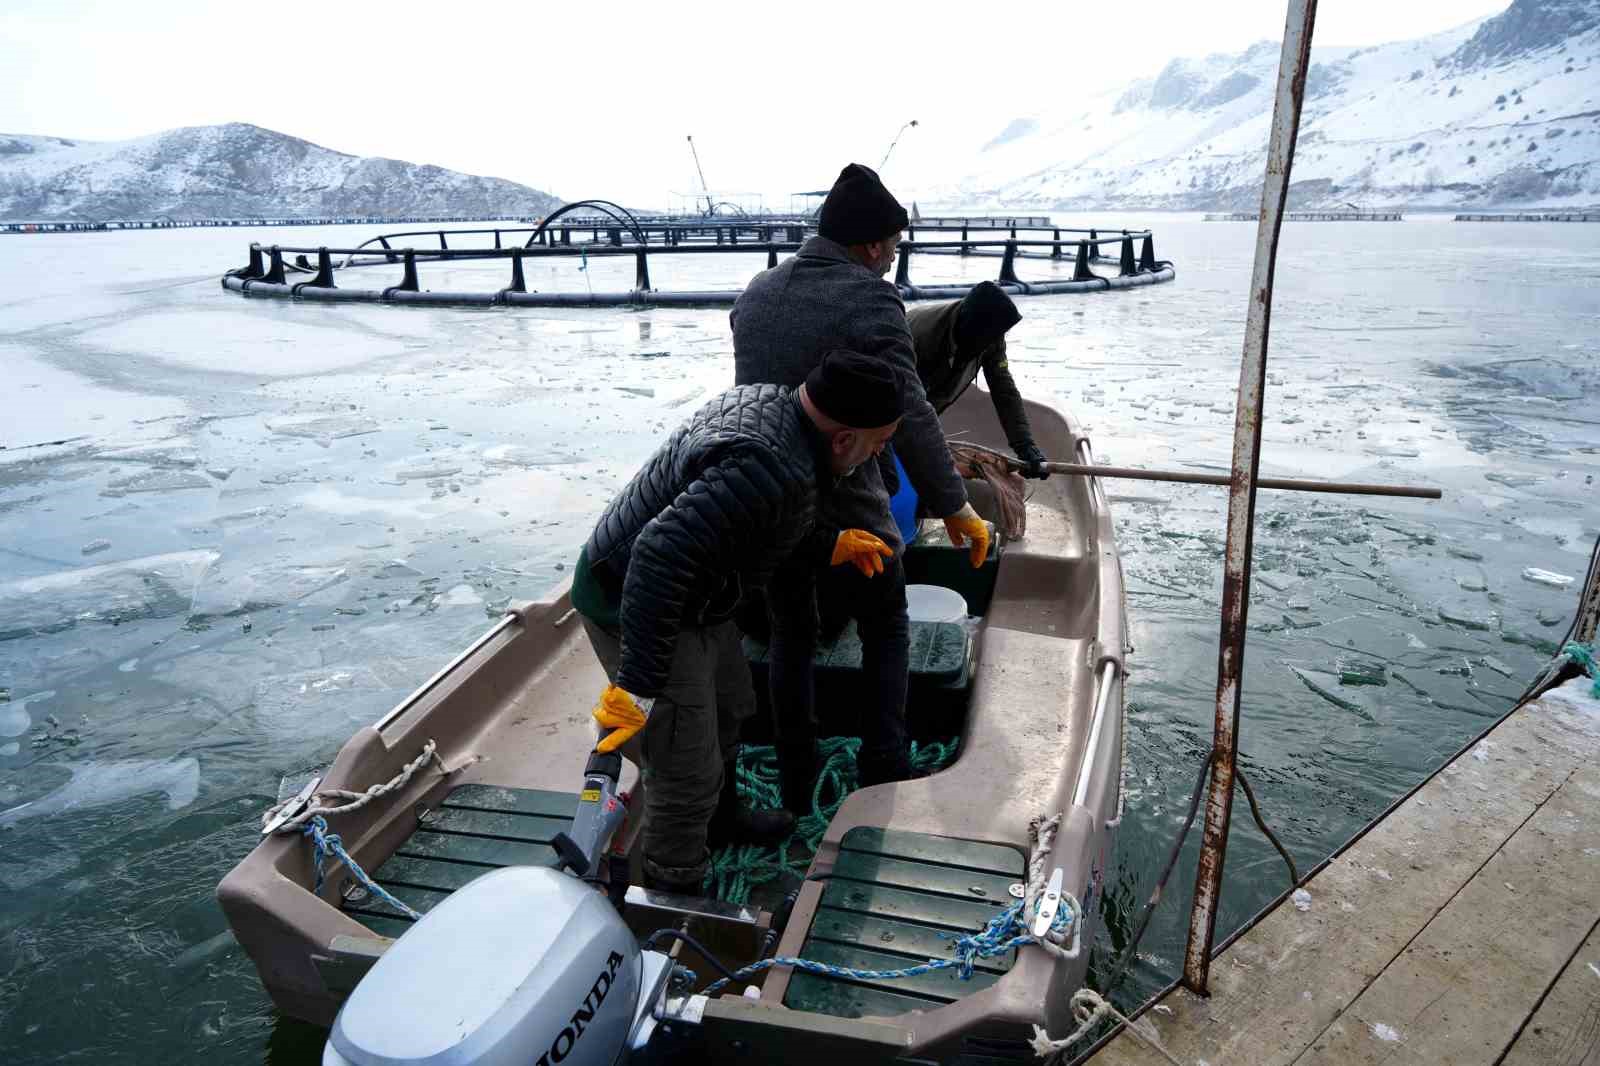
x=526 y=965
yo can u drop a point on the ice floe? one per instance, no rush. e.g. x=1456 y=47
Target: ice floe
x=100 y=784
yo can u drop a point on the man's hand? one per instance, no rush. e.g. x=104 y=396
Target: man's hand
x=1033 y=461
x=965 y=527
x=862 y=550
x=620 y=715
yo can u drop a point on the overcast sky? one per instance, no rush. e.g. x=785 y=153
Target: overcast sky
x=595 y=99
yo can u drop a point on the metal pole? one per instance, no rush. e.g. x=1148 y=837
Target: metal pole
x=1292 y=65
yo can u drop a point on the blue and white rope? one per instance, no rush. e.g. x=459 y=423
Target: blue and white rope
x=324 y=843
x=1003 y=933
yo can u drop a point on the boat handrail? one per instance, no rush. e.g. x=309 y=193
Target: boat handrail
x=1102 y=700
x=1097 y=495
x=428 y=685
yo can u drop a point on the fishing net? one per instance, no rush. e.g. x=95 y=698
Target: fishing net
x=739 y=868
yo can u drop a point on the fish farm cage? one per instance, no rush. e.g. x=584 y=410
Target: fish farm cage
x=596 y=229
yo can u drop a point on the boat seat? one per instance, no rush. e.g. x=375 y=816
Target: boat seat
x=475 y=829
x=889 y=898
x=936 y=697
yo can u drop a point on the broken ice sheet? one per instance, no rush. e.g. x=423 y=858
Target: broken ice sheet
x=155 y=586
x=157 y=481
x=1326 y=686
x=325 y=426
x=100 y=784
x=220 y=595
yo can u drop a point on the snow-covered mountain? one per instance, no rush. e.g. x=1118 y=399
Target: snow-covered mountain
x=234 y=171
x=1501 y=112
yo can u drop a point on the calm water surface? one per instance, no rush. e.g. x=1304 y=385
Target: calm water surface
x=269 y=521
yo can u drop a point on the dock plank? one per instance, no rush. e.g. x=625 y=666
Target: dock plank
x=1460 y=990
x=1565 y=1030
x=1278 y=989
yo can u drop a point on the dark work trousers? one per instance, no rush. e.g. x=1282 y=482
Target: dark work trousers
x=878 y=604
x=692 y=730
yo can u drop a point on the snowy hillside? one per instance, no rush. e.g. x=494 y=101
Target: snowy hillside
x=233 y=171
x=1502 y=112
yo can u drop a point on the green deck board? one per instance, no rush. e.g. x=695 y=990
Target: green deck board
x=535 y=828
x=870 y=932
x=421 y=900
x=941 y=984
x=485 y=851
x=884 y=871
x=476 y=829
x=518 y=800
x=823 y=995
x=947 y=851
x=943 y=911
x=890 y=896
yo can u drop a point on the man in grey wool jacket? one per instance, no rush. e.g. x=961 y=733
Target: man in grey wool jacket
x=833 y=294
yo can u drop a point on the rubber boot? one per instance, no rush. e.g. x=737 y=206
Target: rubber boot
x=797 y=775
x=882 y=767
x=734 y=823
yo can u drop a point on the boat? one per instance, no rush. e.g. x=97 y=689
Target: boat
x=486 y=760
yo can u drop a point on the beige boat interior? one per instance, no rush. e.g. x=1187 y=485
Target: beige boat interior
x=1040 y=732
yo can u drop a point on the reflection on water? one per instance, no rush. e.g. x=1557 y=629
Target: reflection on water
x=269 y=521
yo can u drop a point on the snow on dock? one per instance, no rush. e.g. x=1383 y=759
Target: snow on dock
x=1463 y=927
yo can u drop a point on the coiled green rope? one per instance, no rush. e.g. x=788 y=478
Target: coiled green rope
x=1583 y=655
x=739 y=868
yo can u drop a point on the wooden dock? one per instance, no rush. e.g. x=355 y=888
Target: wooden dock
x=1462 y=928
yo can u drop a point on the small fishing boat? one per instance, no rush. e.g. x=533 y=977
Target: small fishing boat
x=482 y=768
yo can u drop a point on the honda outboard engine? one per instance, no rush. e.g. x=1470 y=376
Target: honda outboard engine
x=526 y=966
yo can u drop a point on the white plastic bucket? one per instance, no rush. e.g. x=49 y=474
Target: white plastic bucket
x=935 y=603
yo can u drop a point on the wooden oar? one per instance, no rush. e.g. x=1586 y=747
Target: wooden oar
x=1190 y=478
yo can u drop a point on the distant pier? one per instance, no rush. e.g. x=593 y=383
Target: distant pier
x=112 y=225
x=1535 y=216
x=1310 y=216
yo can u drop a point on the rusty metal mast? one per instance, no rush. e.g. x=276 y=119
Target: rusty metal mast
x=1292 y=65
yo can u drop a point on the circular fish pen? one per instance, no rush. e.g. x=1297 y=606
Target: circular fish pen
x=490 y=267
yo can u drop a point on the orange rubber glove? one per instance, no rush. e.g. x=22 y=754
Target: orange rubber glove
x=862 y=550
x=965 y=527
x=622 y=714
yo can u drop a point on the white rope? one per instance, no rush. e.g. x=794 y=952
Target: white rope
x=1042 y=832
x=314 y=806
x=1088 y=1008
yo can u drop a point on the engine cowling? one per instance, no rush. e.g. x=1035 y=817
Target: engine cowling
x=523 y=965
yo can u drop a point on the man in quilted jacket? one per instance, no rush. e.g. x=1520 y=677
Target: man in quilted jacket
x=833 y=294
x=733 y=494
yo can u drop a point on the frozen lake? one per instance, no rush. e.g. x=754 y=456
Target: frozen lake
x=267 y=521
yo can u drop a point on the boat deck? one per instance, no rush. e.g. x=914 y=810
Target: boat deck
x=1463 y=928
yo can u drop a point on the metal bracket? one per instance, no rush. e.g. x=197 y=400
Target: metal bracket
x=301 y=800
x=1049 y=903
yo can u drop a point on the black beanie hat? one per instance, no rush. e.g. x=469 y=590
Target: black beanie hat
x=984 y=316
x=859 y=209
x=856 y=390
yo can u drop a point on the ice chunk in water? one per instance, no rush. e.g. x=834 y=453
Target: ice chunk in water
x=1354 y=671
x=271 y=586
x=103 y=784
x=95 y=546
x=459 y=596
x=426 y=471
x=156 y=586
x=157 y=481
x=1465 y=618
x=325 y=426
x=1546 y=577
